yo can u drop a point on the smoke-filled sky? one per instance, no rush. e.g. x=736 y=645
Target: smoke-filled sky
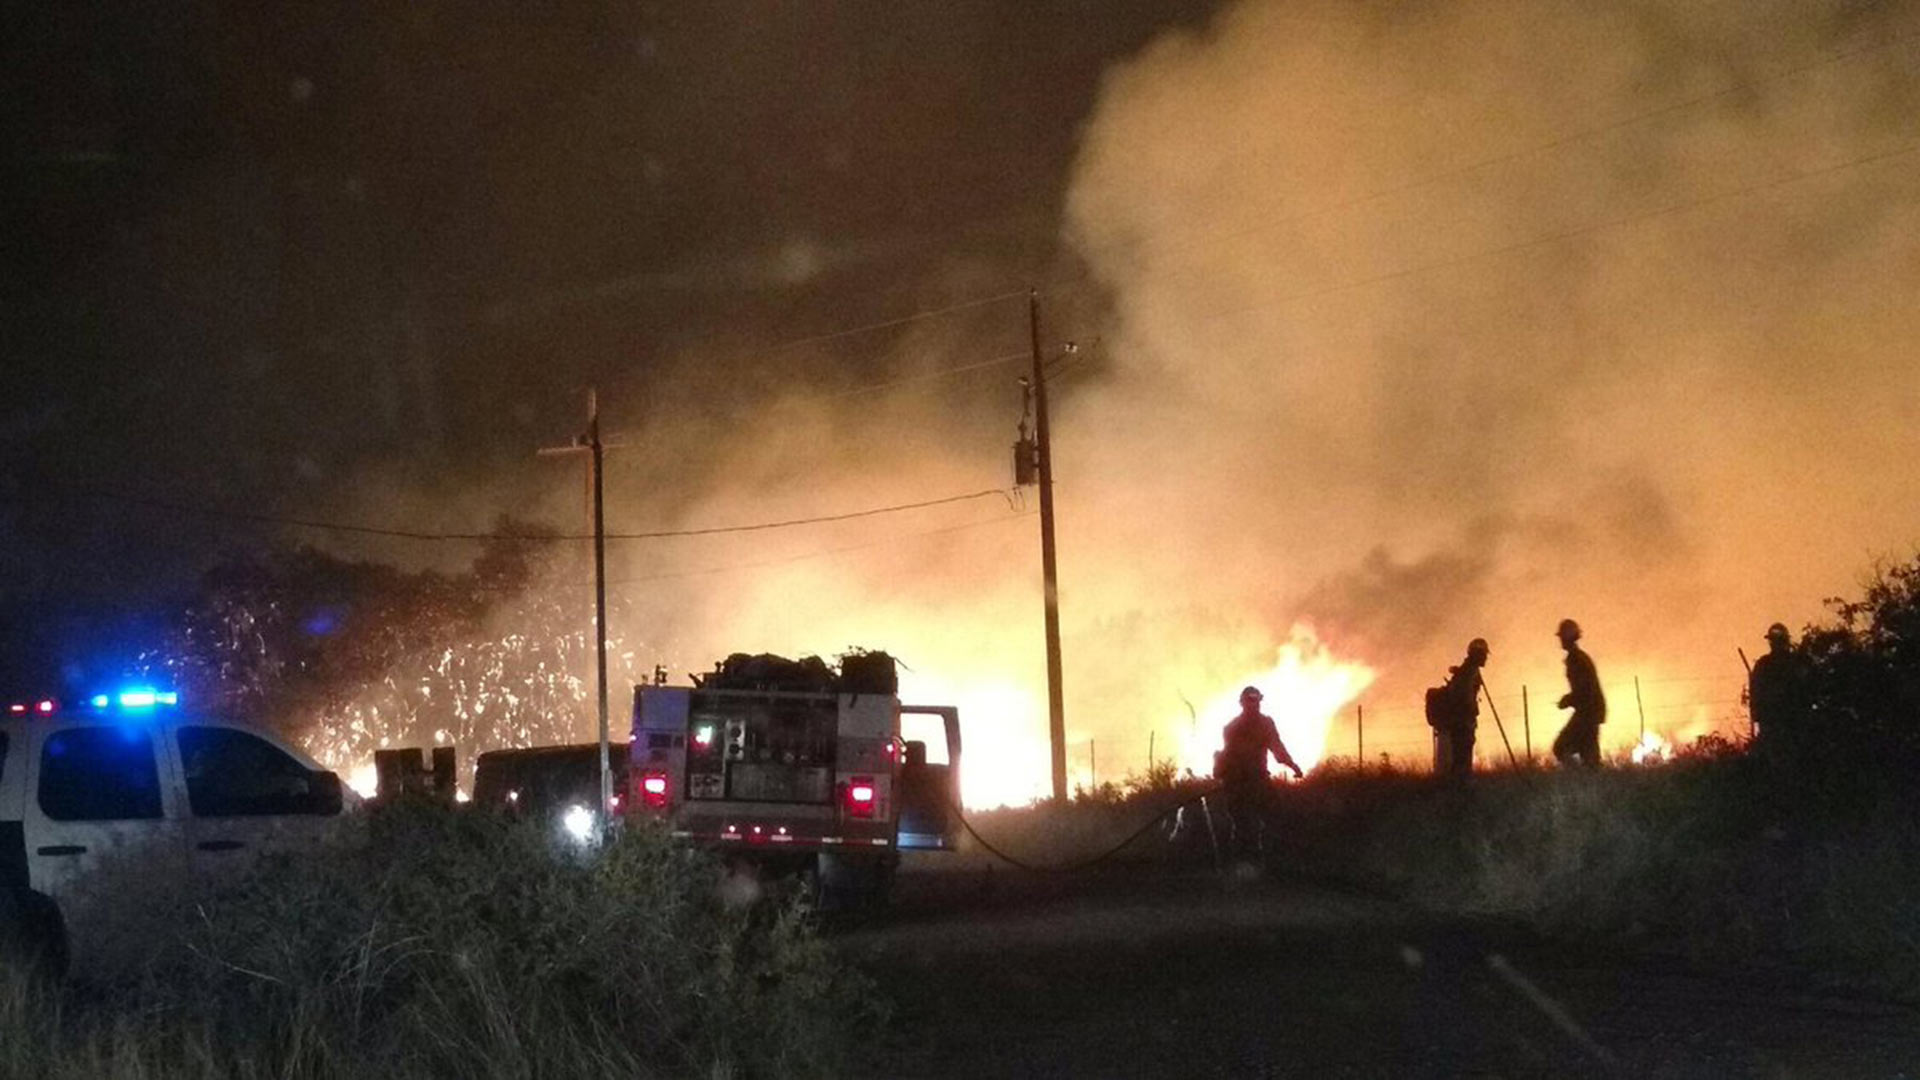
x=1398 y=323
x=1447 y=320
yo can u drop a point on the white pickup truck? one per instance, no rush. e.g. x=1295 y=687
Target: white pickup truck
x=129 y=775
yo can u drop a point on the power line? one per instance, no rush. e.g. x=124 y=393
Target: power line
x=885 y=324
x=817 y=520
x=826 y=553
x=870 y=388
x=727 y=568
x=412 y=534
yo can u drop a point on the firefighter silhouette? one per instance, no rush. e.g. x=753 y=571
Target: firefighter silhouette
x=1579 y=741
x=1241 y=766
x=1777 y=693
x=1462 y=696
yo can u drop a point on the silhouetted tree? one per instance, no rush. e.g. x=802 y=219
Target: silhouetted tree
x=1865 y=673
x=296 y=632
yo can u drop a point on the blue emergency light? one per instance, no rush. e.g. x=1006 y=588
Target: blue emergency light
x=136 y=699
x=130 y=700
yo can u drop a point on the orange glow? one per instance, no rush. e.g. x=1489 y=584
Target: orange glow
x=1652 y=749
x=1004 y=757
x=364 y=780
x=1304 y=690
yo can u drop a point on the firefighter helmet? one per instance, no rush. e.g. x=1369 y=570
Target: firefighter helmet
x=1569 y=630
x=1251 y=693
x=1477 y=645
x=1777 y=632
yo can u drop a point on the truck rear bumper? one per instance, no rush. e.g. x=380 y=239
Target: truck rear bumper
x=773 y=839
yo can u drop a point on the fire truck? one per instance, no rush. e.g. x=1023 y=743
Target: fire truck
x=793 y=768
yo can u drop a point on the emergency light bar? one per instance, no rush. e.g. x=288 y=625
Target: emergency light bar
x=135 y=699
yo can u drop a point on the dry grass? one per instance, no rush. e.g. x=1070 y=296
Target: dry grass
x=1730 y=858
x=432 y=944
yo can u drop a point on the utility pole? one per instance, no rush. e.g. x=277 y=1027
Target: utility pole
x=1056 y=707
x=589 y=441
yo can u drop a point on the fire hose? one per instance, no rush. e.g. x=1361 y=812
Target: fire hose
x=1082 y=864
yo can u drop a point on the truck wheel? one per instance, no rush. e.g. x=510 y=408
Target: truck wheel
x=33 y=937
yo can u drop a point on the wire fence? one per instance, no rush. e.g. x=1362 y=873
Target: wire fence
x=1397 y=734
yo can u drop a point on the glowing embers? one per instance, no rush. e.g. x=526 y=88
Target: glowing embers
x=531 y=686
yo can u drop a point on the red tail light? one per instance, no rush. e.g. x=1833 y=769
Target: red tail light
x=653 y=789
x=860 y=796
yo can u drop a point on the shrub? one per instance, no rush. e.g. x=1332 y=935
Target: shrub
x=1865 y=675
x=1722 y=855
x=424 y=942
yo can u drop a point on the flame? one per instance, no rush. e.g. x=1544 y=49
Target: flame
x=1005 y=759
x=1651 y=749
x=1304 y=690
x=364 y=780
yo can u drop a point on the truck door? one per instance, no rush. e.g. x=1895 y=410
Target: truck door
x=249 y=797
x=929 y=790
x=98 y=794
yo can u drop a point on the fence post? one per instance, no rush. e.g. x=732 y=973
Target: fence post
x=1526 y=722
x=1360 y=723
x=1638 y=704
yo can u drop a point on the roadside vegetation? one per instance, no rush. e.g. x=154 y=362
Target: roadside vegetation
x=1799 y=850
x=1729 y=858
x=426 y=942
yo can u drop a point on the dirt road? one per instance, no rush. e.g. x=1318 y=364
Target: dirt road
x=1185 y=972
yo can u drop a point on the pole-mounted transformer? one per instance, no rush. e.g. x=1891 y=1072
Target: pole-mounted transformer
x=1026 y=452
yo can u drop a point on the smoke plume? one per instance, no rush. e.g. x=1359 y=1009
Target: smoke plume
x=1446 y=320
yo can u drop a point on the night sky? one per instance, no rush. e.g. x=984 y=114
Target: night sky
x=256 y=252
